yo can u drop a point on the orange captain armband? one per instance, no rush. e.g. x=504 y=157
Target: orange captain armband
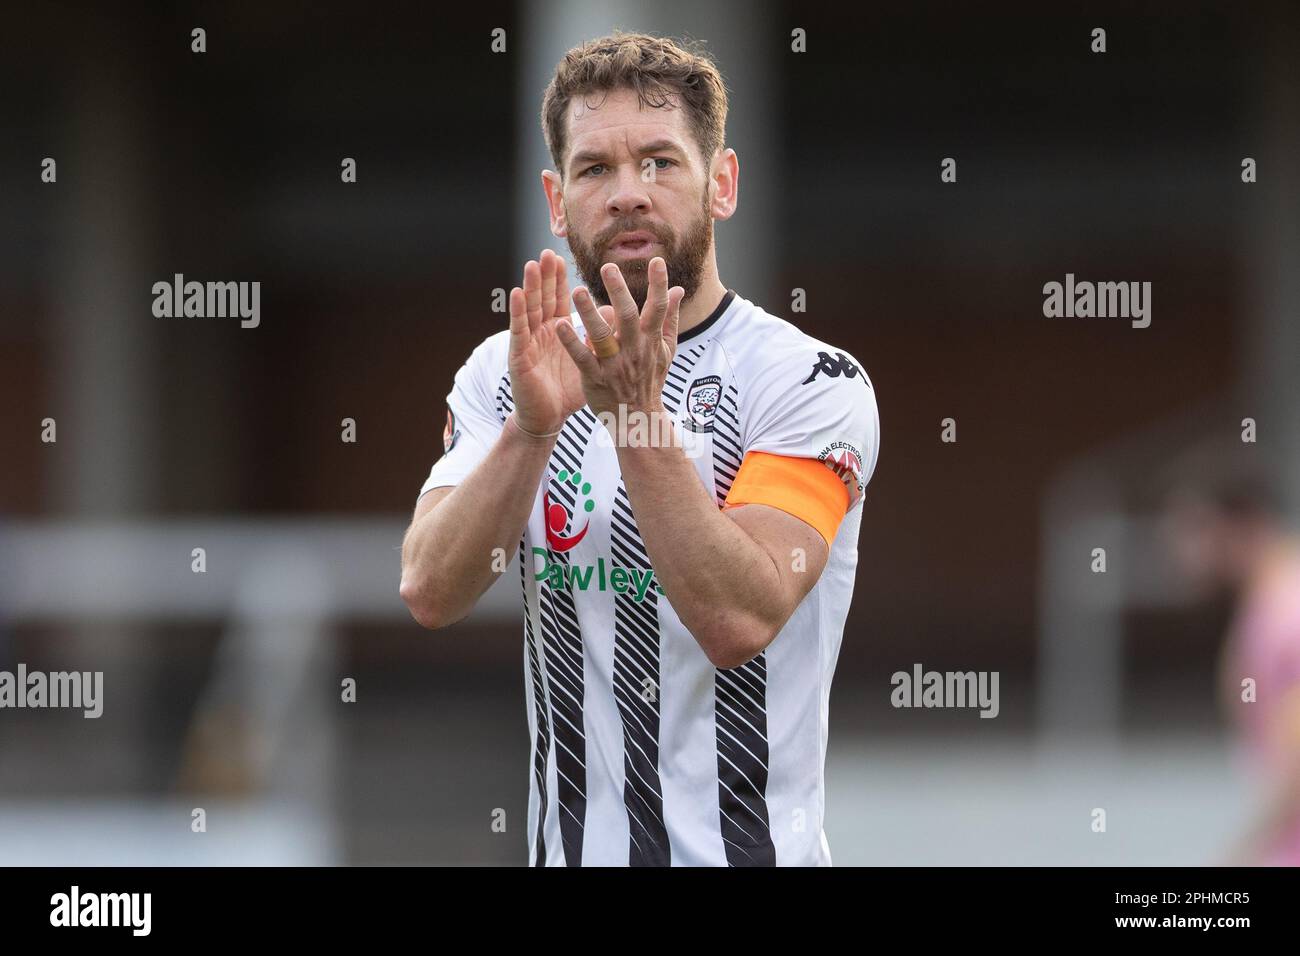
x=803 y=487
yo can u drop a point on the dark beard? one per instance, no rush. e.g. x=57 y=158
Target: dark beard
x=685 y=257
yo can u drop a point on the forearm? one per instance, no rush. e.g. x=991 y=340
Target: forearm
x=723 y=585
x=452 y=554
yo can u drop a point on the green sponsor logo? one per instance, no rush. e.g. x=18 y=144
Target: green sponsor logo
x=601 y=576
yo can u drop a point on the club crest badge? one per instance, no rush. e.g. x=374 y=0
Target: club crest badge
x=702 y=403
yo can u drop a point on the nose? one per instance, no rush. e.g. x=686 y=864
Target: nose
x=630 y=194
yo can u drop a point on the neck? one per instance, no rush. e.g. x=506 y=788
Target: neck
x=701 y=305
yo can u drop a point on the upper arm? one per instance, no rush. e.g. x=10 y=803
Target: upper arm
x=811 y=402
x=423 y=505
x=429 y=500
x=811 y=436
x=472 y=422
x=798 y=551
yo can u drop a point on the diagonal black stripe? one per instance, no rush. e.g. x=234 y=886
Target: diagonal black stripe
x=562 y=642
x=678 y=374
x=726 y=445
x=741 y=731
x=746 y=680
x=636 y=691
x=505 y=401
x=542 y=746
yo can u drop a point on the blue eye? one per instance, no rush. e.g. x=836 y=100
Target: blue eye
x=590 y=170
x=666 y=162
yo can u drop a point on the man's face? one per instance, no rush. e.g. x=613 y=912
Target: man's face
x=634 y=187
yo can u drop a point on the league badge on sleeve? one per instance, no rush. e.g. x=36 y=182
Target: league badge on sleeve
x=449 y=433
x=846 y=461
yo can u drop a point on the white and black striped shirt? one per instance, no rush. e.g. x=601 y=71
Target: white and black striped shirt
x=643 y=752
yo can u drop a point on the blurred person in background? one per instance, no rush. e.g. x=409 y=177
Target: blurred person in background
x=1227 y=535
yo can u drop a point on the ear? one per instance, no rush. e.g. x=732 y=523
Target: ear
x=724 y=184
x=554 y=188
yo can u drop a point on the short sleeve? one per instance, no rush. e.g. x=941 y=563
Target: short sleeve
x=472 y=425
x=815 y=403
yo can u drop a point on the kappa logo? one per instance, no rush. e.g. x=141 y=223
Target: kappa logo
x=702 y=403
x=833 y=367
x=449 y=433
x=846 y=461
x=557 y=516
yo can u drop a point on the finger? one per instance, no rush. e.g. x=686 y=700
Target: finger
x=548 y=283
x=672 y=317
x=533 y=293
x=656 y=298
x=578 y=351
x=607 y=314
x=597 y=328
x=624 y=305
x=519 y=334
x=563 y=306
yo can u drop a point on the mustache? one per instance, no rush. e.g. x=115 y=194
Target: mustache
x=664 y=235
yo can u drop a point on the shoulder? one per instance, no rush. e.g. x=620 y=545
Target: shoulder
x=804 y=397
x=488 y=362
x=493 y=351
x=770 y=353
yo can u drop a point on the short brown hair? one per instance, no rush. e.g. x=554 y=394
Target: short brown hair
x=657 y=69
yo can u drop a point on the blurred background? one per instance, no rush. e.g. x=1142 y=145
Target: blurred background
x=222 y=690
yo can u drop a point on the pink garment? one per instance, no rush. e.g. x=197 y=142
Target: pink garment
x=1265 y=641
